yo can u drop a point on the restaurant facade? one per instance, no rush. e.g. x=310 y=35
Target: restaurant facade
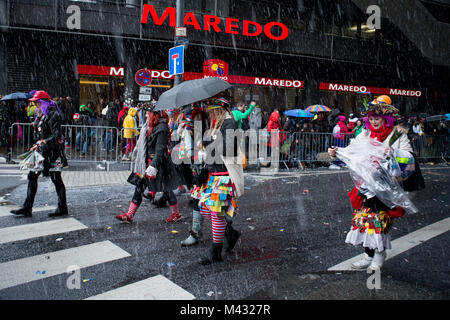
x=280 y=54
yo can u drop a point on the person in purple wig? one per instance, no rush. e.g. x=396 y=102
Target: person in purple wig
x=51 y=146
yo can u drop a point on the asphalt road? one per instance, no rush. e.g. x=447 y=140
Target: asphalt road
x=293 y=230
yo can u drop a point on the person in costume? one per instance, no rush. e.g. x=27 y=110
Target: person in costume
x=51 y=145
x=200 y=174
x=130 y=132
x=154 y=167
x=217 y=195
x=372 y=219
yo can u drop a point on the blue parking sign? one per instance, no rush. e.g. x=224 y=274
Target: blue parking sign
x=176 y=60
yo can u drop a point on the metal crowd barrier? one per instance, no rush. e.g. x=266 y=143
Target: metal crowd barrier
x=431 y=148
x=81 y=143
x=296 y=150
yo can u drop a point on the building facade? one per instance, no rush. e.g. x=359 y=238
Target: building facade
x=282 y=54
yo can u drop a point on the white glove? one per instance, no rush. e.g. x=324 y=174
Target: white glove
x=151 y=171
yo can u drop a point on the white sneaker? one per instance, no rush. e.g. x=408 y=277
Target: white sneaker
x=362 y=263
x=378 y=260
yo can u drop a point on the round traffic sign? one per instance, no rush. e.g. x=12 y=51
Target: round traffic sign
x=143 y=77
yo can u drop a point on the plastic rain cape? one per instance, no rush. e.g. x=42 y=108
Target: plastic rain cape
x=375 y=171
x=32 y=160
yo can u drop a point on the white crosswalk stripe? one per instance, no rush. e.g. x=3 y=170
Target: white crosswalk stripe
x=16 y=272
x=29 y=269
x=154 y=288
x=404 y=243
x=41 y=229
x=5 y=209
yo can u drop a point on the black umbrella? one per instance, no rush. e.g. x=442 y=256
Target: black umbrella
x=21 y=96
x=191 y=91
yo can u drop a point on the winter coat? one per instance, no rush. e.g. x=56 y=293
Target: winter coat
x=112 y=115
x=48 y=128
x=274 y=124
x=157 y=154
x=130 y=125
x=218 y=165
x=122 y=114
x=256 y=119
x=358 y=130
x=239 y=115
x=339 y=130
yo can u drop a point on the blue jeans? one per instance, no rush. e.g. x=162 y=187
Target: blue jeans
x=81 y=139
x=108 y=140
x=338 y=143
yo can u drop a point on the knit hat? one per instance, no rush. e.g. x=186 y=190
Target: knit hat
x=342 y=118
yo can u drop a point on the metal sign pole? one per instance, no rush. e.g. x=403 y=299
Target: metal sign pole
x=180 y=23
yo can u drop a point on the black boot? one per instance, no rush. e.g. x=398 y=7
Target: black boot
x=231 y=237
x=214 y=254
x=61 y=191
x=27 y=212
x=59 y=212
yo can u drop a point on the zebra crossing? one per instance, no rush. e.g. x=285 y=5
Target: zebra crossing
x=23 y=271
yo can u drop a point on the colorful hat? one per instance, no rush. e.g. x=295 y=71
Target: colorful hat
x=219 y=103
x=380 y=107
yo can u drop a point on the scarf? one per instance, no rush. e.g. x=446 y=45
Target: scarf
x=381 y=133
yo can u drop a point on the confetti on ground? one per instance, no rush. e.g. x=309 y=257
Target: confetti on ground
x=108 y=228
x=86 y=280
x=251 y=227
x=174 y=231
x=59 y=239
x=210 y=293
x=171 y=264
x=326 y=223
x=306 y=191
x=282 y=230
x=119 y=206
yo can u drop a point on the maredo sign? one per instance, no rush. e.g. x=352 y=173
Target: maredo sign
x=365 y=89
x=249 y=28
x=211 y=68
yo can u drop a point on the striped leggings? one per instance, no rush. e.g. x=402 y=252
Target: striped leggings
x=218 y=224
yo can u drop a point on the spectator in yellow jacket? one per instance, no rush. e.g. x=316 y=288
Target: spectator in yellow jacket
x=130 y=132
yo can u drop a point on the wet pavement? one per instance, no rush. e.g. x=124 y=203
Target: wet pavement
x=293 y=230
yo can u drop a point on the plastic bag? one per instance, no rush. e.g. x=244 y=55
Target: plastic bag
x=34 y=161
x=375 y=171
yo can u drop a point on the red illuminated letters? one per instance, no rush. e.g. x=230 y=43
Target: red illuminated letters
x=209 y=21
x=229 y=24
x=214 y=23
x=191 y=20
x=256 y=33
x=171 y=12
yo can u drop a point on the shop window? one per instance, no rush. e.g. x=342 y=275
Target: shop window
x=242 y=93
x=265 y=97
x=92 y=88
